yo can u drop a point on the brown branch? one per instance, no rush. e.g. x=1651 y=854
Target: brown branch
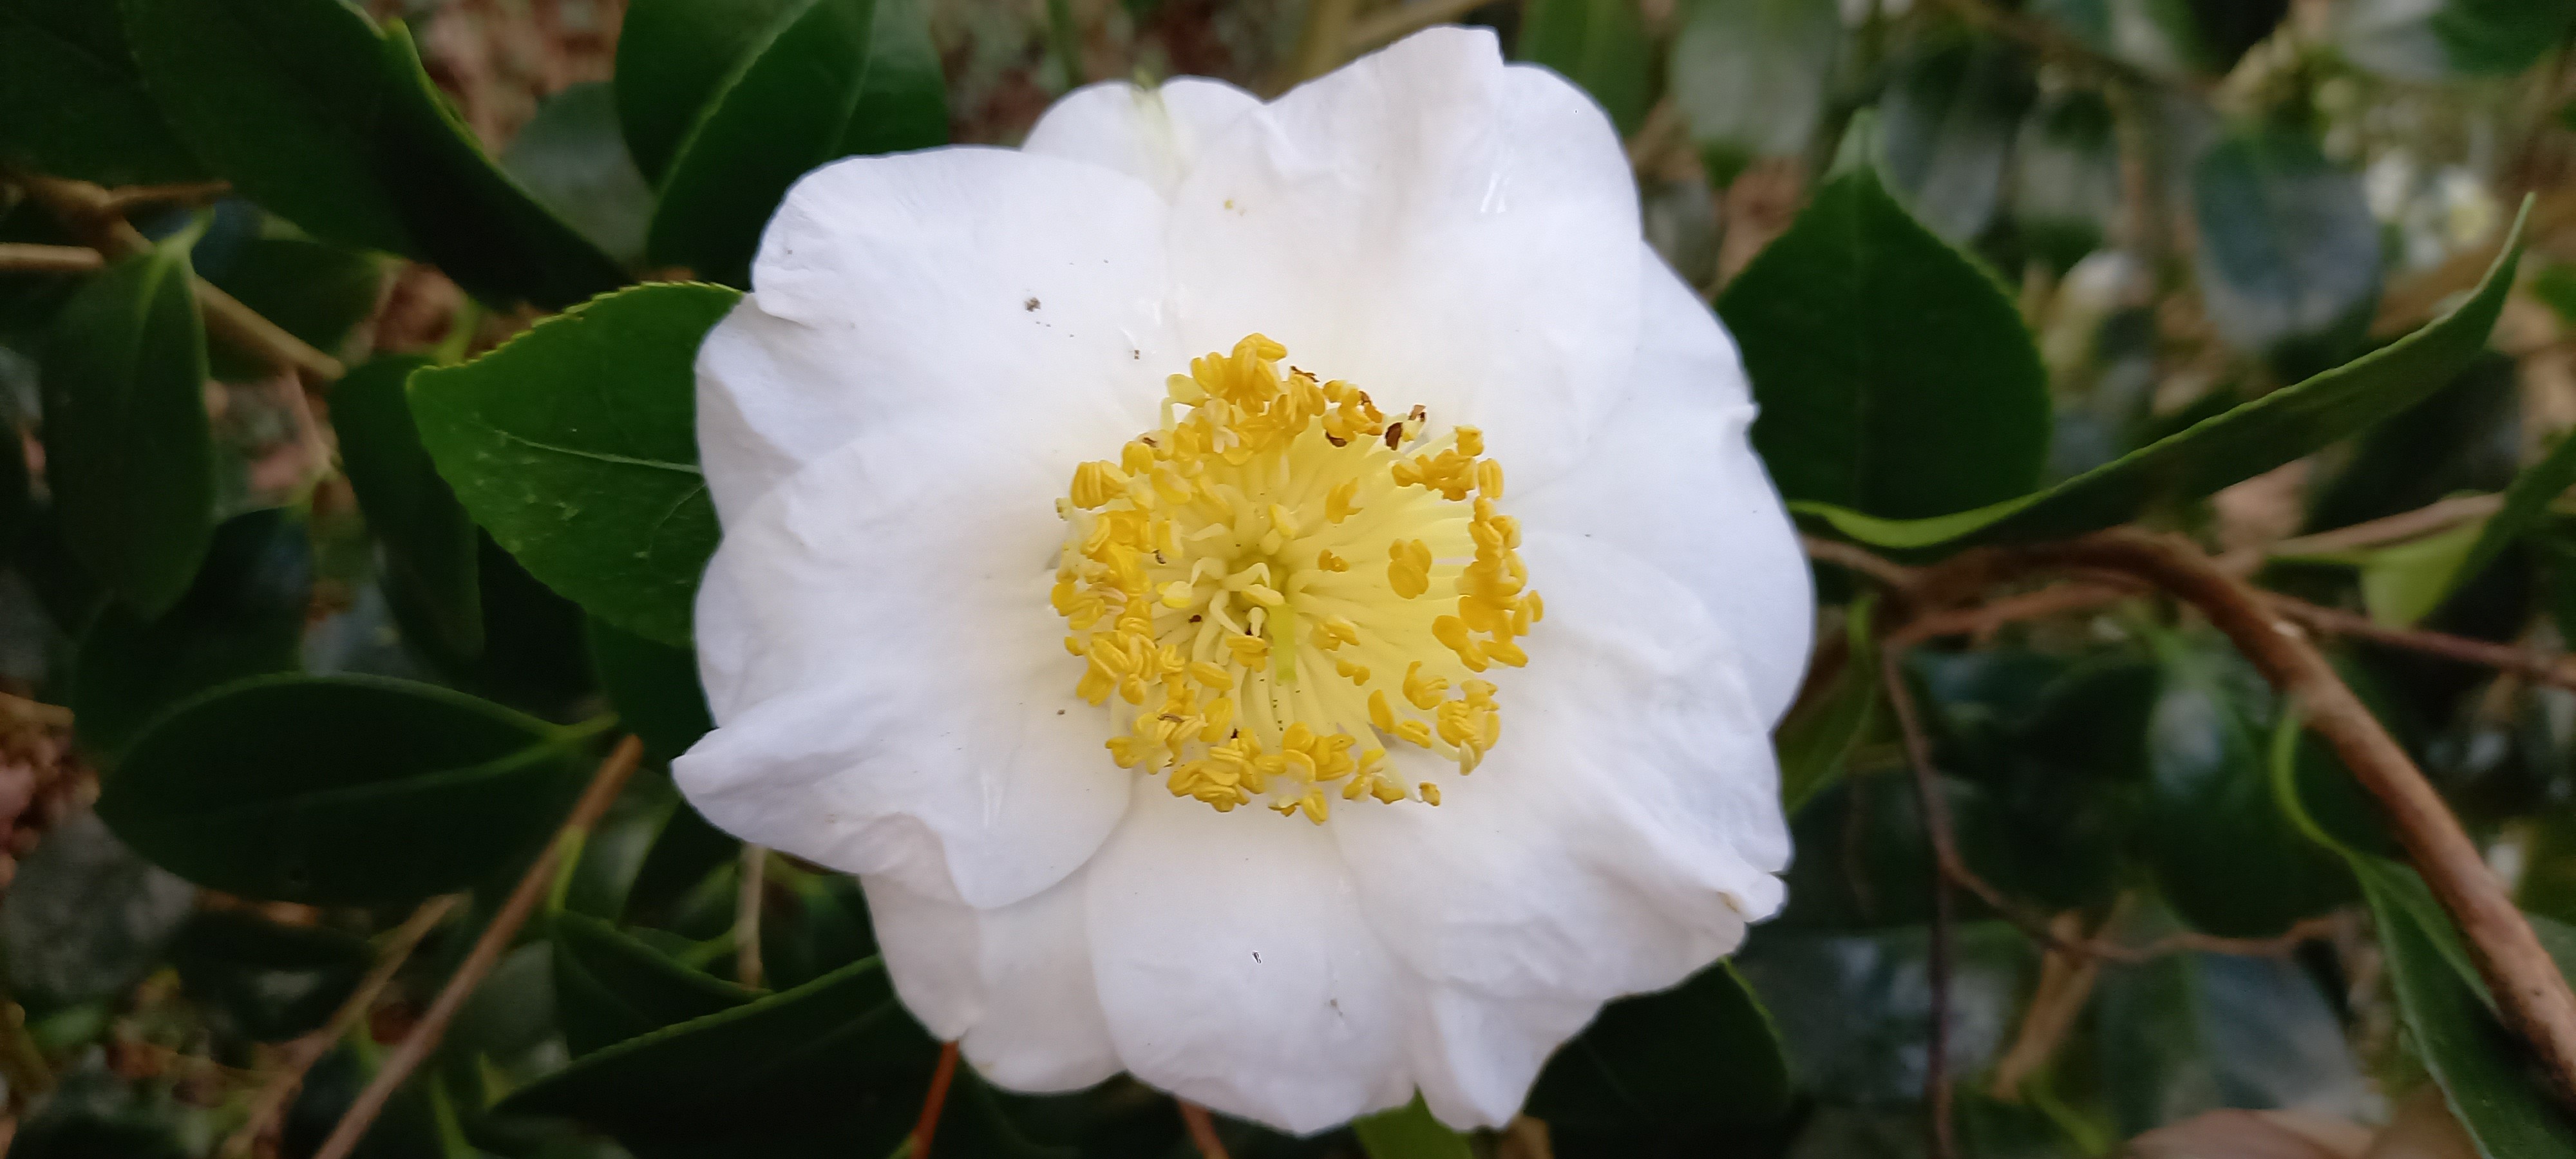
x=19 y=710
x=1851 y=558
x=2065 y=986
x=1945 y=858
x=1202 y=1130
x=88 y=209
x=125 y=199
x=301 y=1054
x=2531 y=994
x=22 y=257
x=487 y=951
x=2404 y=525
x=933 y=1102
x=2550 y=668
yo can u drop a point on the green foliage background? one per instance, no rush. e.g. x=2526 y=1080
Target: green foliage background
x=311 y=629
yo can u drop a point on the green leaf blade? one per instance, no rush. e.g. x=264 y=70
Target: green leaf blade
x=339 y=790
x=1894 y=374
x=2218 y=451
x=129 y=450
x=786 y=113
x=575 y=446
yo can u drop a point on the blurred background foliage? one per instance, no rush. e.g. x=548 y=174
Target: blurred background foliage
x=304 y=670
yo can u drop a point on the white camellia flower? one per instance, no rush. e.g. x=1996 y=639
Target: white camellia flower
x=1118 y=576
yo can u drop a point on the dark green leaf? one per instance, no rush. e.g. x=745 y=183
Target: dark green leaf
x=903 y=103
x=1854 y=1010
x=71 y=103
x=1817 y=738
x=2227 y=858
x=574 y=445
x=270 y=982
x=1409 y=1132
x=1599 y=44
x=654 y=687
x=2443 y=39
x=315 y=292
x=2185 y=1033
x=2066 y=177
x=572 y=159
x=86 y=916
x=673 y=58
x=311 y=111
x=470 y=219
x=755 y=1078
x=2481 y=1069
x=2215 y=452
x=340 y=789
x=282 y=98
x=1750 y=76
x=1949 y=118
x=788 y=111
x=1702 y=1052
x=128 y=449
x=2289 y=259
x=610 y=987
x=812 y=924
x=429 y=541
x=1894 y=375
x=244 y=616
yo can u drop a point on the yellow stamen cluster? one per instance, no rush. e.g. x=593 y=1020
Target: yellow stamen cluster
x=1207 y=577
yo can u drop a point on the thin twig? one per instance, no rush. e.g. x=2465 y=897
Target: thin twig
x=2437 y=516
x=21 y=711
x=125 y=199
x=933 y=1102
x=87 y=208
x=1945 y=855
x=2045 y=39
x=1390 y=24
x=2531 y=994
x=301 y=1054
x=486 y=953
x=24 y=257
x=2065 y=985
x=1202 y=1130
x=2550 y=668
x=1851 y=558
x=746 y=915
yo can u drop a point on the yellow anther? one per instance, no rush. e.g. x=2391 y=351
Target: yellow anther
x=1187 y=592
x=1430 y=793
x=1338 y=504
x=1425 y=692
x=1210 y=675
x=1097 y=482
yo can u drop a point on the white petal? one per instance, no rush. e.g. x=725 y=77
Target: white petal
x=1236 y=969
x=1617 y=840
x=1475 y=1057
x=1434 y=226
x=1013 y=983
x=955 y=280
x=1153 y=135
x=1671 y=478
x=888 y=681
